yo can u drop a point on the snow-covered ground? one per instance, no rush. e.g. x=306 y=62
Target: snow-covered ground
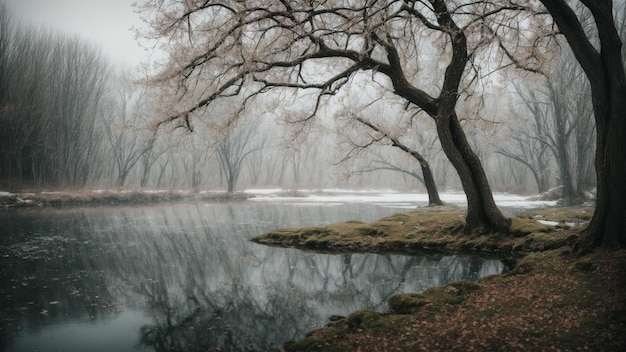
x=334 y=196
x=385 y=198
x=510 y=203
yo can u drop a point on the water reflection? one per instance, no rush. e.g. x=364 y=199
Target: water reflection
x=187 y=277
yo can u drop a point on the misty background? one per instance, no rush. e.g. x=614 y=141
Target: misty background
x=75 y=116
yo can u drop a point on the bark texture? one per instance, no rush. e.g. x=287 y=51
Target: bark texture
x=481 y=207
x=605 y=71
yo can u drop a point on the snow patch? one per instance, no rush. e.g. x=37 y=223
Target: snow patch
x=549 y=223
x=386 y=198
x=554 y=223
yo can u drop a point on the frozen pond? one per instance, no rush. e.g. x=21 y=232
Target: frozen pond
x=185 y=276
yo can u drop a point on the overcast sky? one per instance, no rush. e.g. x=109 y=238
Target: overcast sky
x=105 y=22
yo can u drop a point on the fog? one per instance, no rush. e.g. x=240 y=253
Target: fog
x=72 y=118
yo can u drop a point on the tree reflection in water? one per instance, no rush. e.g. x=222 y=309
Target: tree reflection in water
x=193 y=270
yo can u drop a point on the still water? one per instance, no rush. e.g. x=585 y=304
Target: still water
x=185 y=277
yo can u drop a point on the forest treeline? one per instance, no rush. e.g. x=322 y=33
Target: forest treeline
x=69 y=119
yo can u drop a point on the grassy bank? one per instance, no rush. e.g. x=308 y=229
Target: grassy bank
x=549 y=300
x=436 y=230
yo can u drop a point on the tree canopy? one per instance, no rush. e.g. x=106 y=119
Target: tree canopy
x=435 y=54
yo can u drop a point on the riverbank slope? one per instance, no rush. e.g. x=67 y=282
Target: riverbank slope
x=549 y=300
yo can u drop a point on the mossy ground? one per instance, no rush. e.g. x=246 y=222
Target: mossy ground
x=550 y=300
x=433 y=229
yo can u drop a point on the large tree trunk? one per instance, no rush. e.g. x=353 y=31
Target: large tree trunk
x=605 y=71
x=481 y=208
x=608 y=225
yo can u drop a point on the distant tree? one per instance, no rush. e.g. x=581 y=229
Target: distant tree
x=194 y=159
x=126 y=131
x=426 y=178
x=233 y=149
x=527 y=150
x=52 y=102
x=5 y=42
x=559 y=107
x=155 y=155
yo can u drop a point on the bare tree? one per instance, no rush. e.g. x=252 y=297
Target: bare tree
x=559 y=107
x=235 y=147
x=53 y=95
x=155 y=154
x=531 y=153
x=193 y=157
x=427 y=178
x=584 y=139
x=6 y=34
x=77 y=98
x=217 y=48
x=127 y=133
x=6 y=28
